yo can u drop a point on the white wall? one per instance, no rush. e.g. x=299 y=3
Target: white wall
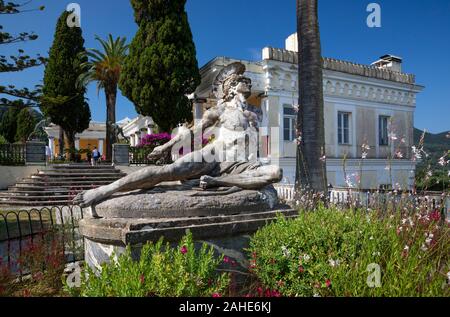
x=10 y=175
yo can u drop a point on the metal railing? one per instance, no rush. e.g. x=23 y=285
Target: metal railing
x=139 y=155
x=12 y=154
x=345 y=197
x=20 y=228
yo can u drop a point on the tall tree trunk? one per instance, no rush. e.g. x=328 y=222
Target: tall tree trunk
x=311 y=167
x=111 y=95
x=71 y=145
x=61 y=142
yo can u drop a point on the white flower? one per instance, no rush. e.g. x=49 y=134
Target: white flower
x=393 y=137
x=316 y=295
x=323 y=158
x=403 y=140
x=376 y=254
x=442 y=161
x=286 y=252
x=399 y=154
x=424 y=248
x=305 y=257
x=371 y=238
x=334 y=263
x=406 y=248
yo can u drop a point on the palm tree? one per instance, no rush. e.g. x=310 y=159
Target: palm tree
x=311 y=167
x=105 y=68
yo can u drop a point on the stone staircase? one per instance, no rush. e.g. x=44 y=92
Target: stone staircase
x=57 y=185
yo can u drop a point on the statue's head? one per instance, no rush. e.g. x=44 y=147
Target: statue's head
x=231 y=82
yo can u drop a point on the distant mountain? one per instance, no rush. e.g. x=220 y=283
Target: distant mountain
x=436 y=145
x=430 y=138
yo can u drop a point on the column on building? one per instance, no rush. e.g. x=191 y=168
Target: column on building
x=144 y=132
x=51 y=145
x=77 y=143
x=101 y=145
x=138 y=137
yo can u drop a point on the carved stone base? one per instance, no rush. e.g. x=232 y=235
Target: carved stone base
x=228 y=234
x=178 y=202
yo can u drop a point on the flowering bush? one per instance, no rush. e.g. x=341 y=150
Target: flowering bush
x=41 y=265
x=337 y=253
x=161 y=271
x=154 y=140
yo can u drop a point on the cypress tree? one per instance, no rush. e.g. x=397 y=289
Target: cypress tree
x=26 y=122
x=8 y=124
x=161 y=68
x=63 y=100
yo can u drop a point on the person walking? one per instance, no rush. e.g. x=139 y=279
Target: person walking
x=95 y=156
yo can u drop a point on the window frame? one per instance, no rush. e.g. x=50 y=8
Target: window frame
x=341 y=129
x=292 y=120
x=383 y=140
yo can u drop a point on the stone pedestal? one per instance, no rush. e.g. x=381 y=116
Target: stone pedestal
x=222 y=221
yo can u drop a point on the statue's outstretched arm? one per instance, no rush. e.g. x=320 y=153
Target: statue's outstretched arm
x=209 y=118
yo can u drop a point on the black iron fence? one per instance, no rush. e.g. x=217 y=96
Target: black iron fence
x=21 y=228
x=12 y=154
x=139 y=155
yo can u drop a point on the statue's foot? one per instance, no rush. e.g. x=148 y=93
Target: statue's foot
x=88 y=198
x=207 y=182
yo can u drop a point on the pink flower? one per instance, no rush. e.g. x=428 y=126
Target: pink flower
x=216 y=295
x=276 y=293
x=226 y=260
x=260 y=291
x=301 y=269
x=435 y=215
x=142 y=279
x=328 y=283
x=184 y=250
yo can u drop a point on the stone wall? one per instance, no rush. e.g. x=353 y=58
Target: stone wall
x=291 y=57
x=10 y=175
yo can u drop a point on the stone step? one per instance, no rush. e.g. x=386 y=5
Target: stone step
x=79 y=171
x=14 y=191
x=37 y=187
x=4 y=197
x=44 y=178
x=115 y=173
x=42 y=203
x=62 y=183
x=78 y=167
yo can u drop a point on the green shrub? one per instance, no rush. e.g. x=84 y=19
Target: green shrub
x=329 y=253
x=161 y=271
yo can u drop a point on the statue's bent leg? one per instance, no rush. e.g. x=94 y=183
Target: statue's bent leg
x=146 y=178
x=250 y=179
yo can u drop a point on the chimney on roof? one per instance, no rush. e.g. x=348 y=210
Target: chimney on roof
x=292 y=43
x=389 y=62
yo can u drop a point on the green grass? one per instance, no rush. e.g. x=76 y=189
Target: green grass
x=29 y=221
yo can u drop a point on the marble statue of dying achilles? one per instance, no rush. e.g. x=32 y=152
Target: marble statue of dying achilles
x=233 y=122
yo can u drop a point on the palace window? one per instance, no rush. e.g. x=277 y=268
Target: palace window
x=344 y=128
x=383 y=123
x=289 y=119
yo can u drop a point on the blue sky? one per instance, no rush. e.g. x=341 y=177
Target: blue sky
x=416 y=30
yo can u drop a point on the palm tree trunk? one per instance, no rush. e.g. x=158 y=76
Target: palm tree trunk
x=111 y=95
x=311 y=168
